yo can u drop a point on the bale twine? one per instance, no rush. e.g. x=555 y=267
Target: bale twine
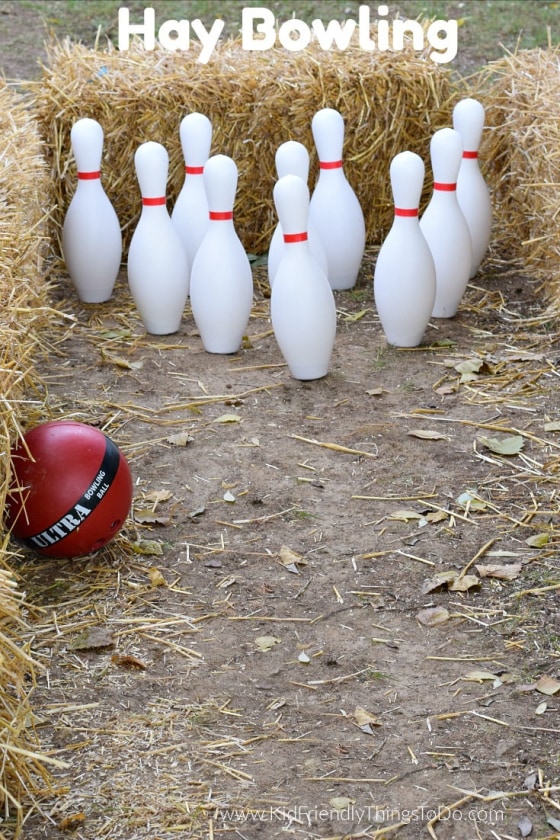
x=390 y=101
x=522 y=152
x=24 y=314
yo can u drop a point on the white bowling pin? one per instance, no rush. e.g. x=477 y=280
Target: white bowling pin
x=91 y=233
x=302 y=306
x=472 y=191
x=292 y=158
x=221 y=276
x=444 y=225
x=334 y=208
x=190 y=213
x=404 y=280
x=158 y=267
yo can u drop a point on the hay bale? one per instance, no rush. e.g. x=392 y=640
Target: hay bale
x=391 y=101
x=24 y=314
x=23 y=767
x=522 y=151
x=24 y=310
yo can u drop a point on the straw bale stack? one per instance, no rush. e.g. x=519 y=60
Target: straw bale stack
x=256 y=100
x=23 y=315
x=522 y=152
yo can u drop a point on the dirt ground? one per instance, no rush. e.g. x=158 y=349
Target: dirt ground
x=251 y=655
x=266 y=649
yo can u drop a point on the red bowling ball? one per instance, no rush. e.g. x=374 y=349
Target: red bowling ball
x=71 y=489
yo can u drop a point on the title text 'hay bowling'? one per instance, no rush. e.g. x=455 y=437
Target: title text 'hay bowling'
x=259 y=31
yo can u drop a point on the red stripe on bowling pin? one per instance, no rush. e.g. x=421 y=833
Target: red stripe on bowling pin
x=295 y=237
x=470 y=154
x=194 y=170
x=330 y=164
x=153 y=202
x=404 y=211
x=88 y=176
x=220 y=217
x=444 y=187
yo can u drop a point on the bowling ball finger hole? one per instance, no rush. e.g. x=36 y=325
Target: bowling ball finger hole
x=113 y=528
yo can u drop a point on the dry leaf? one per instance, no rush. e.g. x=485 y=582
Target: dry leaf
x=304 y=658
x=470 y=502
x=228 y=496
x=541 y=708
x=147 y=547
x=537 y=540
x=547 y=685
x=365 y=720
x=157 y=496
x=432 y=616
x=553 y=426
x=469 y=366
x=463 y=584
x=228 y=418
x=93 y=638
x=266 y=643
x=180 y=439
x=508 y=677
x=287 y=556
x=439 y=579
x=469 y=369
x=127 y=661
x=156 y=577
x=340 y=803
x=426 y=434
x=147 y=516
x=455 y=582
x=506 y=446
x=480 y=676
x=120 y=362
x=405 y=515
x=291 y=560
x=436 y=516
x=508 y=572
x=443 y=390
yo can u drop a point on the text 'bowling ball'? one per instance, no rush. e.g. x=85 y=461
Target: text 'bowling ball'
x=71 y=489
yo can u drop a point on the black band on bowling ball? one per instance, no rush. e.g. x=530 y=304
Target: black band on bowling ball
x=85 y=505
